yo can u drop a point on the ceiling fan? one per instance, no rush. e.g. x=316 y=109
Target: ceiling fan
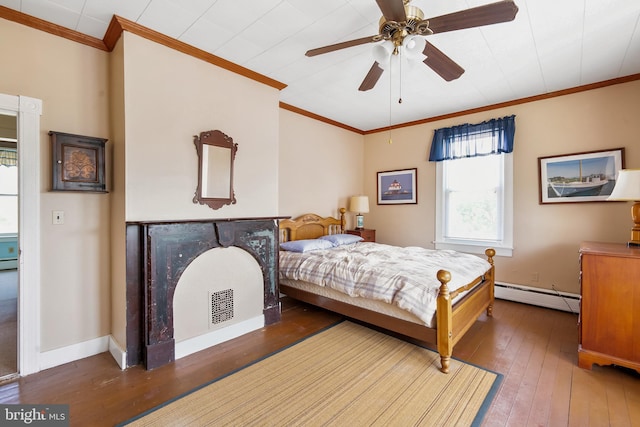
x=401 y=24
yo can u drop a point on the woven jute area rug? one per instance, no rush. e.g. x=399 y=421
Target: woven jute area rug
x=346 y=375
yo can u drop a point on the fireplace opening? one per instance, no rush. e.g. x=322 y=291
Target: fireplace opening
x=221 y=291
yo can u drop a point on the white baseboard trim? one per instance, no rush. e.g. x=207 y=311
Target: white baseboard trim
x=60 y=356
x=195 y=344
x=117 y=353
x=538 y=296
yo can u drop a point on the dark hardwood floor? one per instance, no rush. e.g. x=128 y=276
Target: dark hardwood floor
x=534 y=348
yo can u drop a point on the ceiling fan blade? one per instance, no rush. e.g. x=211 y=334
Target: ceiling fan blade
x=444 y=66
x=342 y=45
x=494 y=13
x=371 y=78
x=392 y=10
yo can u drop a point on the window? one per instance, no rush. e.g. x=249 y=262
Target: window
x=8 y=192
x=474 y=199
x=474 y=186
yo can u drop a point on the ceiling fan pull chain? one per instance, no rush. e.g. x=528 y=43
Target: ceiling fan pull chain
x=400 y=74
x=390 y=96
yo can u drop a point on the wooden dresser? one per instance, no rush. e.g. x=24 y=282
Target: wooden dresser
x=610 y=305
x=367 y=234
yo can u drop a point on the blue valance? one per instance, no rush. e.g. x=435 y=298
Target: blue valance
x=491 y=137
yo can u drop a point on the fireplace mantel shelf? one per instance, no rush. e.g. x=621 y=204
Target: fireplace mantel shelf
x=208 y=220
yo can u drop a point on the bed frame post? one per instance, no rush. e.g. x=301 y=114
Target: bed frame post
x=490 y=276
x=444 y=319
x=343 y=220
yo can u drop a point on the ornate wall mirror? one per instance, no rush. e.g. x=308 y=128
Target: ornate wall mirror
x=216 y=153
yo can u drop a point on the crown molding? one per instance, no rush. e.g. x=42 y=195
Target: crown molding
x=114 y=32
x=541 y=97
x=48 y=27
x=119 y=24
x=549 y=95
x=319 y=118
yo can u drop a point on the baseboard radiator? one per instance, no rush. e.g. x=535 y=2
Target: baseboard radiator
x=549 y=298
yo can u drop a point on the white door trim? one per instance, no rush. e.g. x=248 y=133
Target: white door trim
x=28 y=111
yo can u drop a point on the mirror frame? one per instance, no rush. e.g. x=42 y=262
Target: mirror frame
x=218 y=139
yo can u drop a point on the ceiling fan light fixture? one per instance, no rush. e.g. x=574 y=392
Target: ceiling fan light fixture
x=401 y=23
x=382 y=53
x=413 y=46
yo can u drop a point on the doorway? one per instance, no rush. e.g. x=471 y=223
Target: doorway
x=8 y=246
x=27 y=112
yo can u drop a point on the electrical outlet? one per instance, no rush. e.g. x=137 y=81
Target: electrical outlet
x=57 y=217
x=535 y=277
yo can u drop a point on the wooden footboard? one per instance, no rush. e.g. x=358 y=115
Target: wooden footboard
x=453 y=321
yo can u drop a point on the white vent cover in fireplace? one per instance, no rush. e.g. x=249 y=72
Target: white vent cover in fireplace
x=221 y=306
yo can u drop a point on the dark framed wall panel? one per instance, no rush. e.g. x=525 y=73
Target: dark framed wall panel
x=78 y=163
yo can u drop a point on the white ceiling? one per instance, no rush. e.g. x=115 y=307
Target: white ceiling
x=550 y=46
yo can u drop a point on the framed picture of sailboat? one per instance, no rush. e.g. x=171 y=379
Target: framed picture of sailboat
x=398 y=187
x=579 y=177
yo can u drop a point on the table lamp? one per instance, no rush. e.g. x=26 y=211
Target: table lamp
x=627 y=188
x=359 y=204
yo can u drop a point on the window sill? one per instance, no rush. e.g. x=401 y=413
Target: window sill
x=475 y=248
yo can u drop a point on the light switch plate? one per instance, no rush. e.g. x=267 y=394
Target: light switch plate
x=58 y=217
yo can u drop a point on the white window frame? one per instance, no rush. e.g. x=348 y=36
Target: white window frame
x=502 y=247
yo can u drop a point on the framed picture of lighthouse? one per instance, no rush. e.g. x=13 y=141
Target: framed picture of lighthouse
x=399 y=187
x=579 y=177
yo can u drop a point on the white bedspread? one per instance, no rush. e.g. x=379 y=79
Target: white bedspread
x=405 y=277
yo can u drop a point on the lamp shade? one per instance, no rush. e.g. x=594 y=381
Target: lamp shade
x=382 y=53
x=359 y=204
x=413 y=46
x=627 y=186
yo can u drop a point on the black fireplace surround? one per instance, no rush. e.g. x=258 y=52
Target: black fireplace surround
x=158 y=253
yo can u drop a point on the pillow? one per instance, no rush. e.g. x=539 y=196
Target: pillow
x=342 y=239
x=305 y=245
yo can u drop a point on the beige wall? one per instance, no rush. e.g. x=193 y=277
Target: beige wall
x=546 y=237
x=169 y=98
x=72 y=81
x=321 y=166
x=8 y=127
x=118 y=212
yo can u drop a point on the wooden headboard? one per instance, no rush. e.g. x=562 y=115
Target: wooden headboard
x=311 y=226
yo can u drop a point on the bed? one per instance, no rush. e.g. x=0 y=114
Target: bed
x=456 y=305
